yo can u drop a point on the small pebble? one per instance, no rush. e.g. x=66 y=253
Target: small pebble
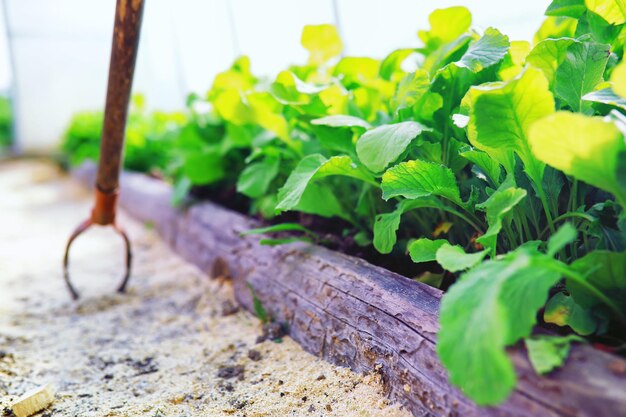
x=254 y=355
x=228 y=372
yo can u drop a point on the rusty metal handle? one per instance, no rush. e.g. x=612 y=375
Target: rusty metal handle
x=128 y=15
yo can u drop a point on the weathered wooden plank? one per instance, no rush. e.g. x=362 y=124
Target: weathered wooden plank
x=367 y=318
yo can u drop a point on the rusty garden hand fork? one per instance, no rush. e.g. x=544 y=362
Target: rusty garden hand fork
x=128 y=15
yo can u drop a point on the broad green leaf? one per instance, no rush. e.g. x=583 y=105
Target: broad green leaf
x=588 y=148
x=410 y=89
x=515 y=60
x=490 y=49
x=336 y=139
x=497 y=207
x=593 y=26
x=229 y=106
x=204 y=167
x=613 y=11
x=314 y=167
x=290 y=194
x=548 y=54
x=357 y=70
x=501 y=115
x=392 y=66
x=240 y=135
x=454 y=258
x=322 y=42
x=386 y=225
x=606 y=271
x=238 y=78
x=606 y=96
x=334 y=99
x=341 y=120
x=452 y=83
x=491 y=307
x=446 y=25
x=618 y=78
x=570 y=8
x=255 y=179
x=488 y=165
x=426 y=106
x=254 y=108
x=580 y=72
x=563 y=237
x=415 y=179
x=547 y=353
x=319 y=199
x=289 y=89
x=425 y=250
x=446 y=55
x=379 y=147
x=267 y=113
x=562 y=310
x=555 y=27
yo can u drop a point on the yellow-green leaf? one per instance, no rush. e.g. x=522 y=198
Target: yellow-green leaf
x=554 y=28
x=501 y=115
x=562 y=310
x=618 y=78
x=588 y=148
x=445 y=26
x=322 y=42
x=547 y=353
x=613 y=11
x=518 y=52
x=548 y=54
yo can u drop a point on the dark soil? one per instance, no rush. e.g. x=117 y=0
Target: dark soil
x=328 y=231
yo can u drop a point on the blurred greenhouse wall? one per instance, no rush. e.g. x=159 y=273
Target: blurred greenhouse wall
x=60 y=48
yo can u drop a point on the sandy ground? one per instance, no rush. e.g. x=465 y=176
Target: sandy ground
x=169 y=347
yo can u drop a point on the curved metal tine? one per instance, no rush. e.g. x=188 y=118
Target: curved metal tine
x=129 y=257
x=66 y=259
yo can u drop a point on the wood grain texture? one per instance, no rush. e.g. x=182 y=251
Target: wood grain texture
x=364 y=317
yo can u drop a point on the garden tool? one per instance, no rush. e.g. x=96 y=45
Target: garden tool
x=128 y=15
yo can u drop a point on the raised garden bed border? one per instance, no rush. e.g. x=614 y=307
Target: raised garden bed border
x=354 y=314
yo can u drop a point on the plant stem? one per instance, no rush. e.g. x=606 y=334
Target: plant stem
x=566 y=216
x=464 y=217
x=573 y=198
x=546 y=207
x=510 y=235
x=525 y=225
